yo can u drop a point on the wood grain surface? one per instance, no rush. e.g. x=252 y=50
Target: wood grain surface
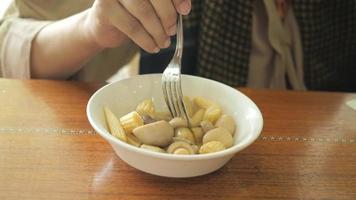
x=48 y=150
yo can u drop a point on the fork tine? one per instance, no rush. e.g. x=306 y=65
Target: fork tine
x=174 y=98
x=171 y=97
x=184 y=110
x=165 y=94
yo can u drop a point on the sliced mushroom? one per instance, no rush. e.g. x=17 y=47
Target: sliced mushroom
x=178 y=122
x=206 y=126
x=212 y=146
x=227 y=122
x=219 y=134
x=158 y=133
x=152 y=148
x=198 y=134
x=177 y=145
x=185 y=133
x=197 y=118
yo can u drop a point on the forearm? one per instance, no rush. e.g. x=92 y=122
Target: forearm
x=62 y=48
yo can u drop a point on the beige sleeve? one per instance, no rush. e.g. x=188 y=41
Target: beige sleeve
x=27 y=17
x=15 y=49
x=22 y=21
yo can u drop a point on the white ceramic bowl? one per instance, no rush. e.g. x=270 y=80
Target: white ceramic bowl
x=123 y=96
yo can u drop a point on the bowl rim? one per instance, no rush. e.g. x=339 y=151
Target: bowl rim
x=229 y=151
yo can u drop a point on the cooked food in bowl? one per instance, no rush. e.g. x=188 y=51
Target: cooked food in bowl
x=208 y=130
x=131 y=101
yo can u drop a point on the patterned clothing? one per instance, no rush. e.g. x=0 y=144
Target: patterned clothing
x=328 y=33
x=218 y=41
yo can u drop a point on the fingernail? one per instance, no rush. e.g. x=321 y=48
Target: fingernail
x=167 y=43
x=173 y=30
x=185 y=7
x=156 y=50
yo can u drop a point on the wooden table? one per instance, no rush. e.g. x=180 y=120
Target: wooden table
x=48 y=150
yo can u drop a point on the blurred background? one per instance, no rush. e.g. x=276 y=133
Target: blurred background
x=3 y=5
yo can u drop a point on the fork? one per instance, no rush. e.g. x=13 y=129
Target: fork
x=171 y=79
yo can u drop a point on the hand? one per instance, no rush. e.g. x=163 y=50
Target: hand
x=149 y=23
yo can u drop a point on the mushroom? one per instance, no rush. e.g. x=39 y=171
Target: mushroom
x=219 y=134
x=181 y=139
x=185 y=133
x=181 y=151
x=164 y=115
x=226 y=121
x=204 y=103
x=152 y=148
x=197 y=118
x=212 y=114
x=180 y=145
x=188 y=105
x=133 y=140
x=206 y=126
x=158 y=133
x=212 y=146
x=198 y=134
x=178 y=122
x=195 y=148
x=148 y=119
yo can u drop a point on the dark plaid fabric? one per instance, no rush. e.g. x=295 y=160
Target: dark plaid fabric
x=328 y=31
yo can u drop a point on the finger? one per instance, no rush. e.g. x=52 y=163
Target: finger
x=145 y=13
x=183 y=7
x=167 y=14
x=129 y=25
